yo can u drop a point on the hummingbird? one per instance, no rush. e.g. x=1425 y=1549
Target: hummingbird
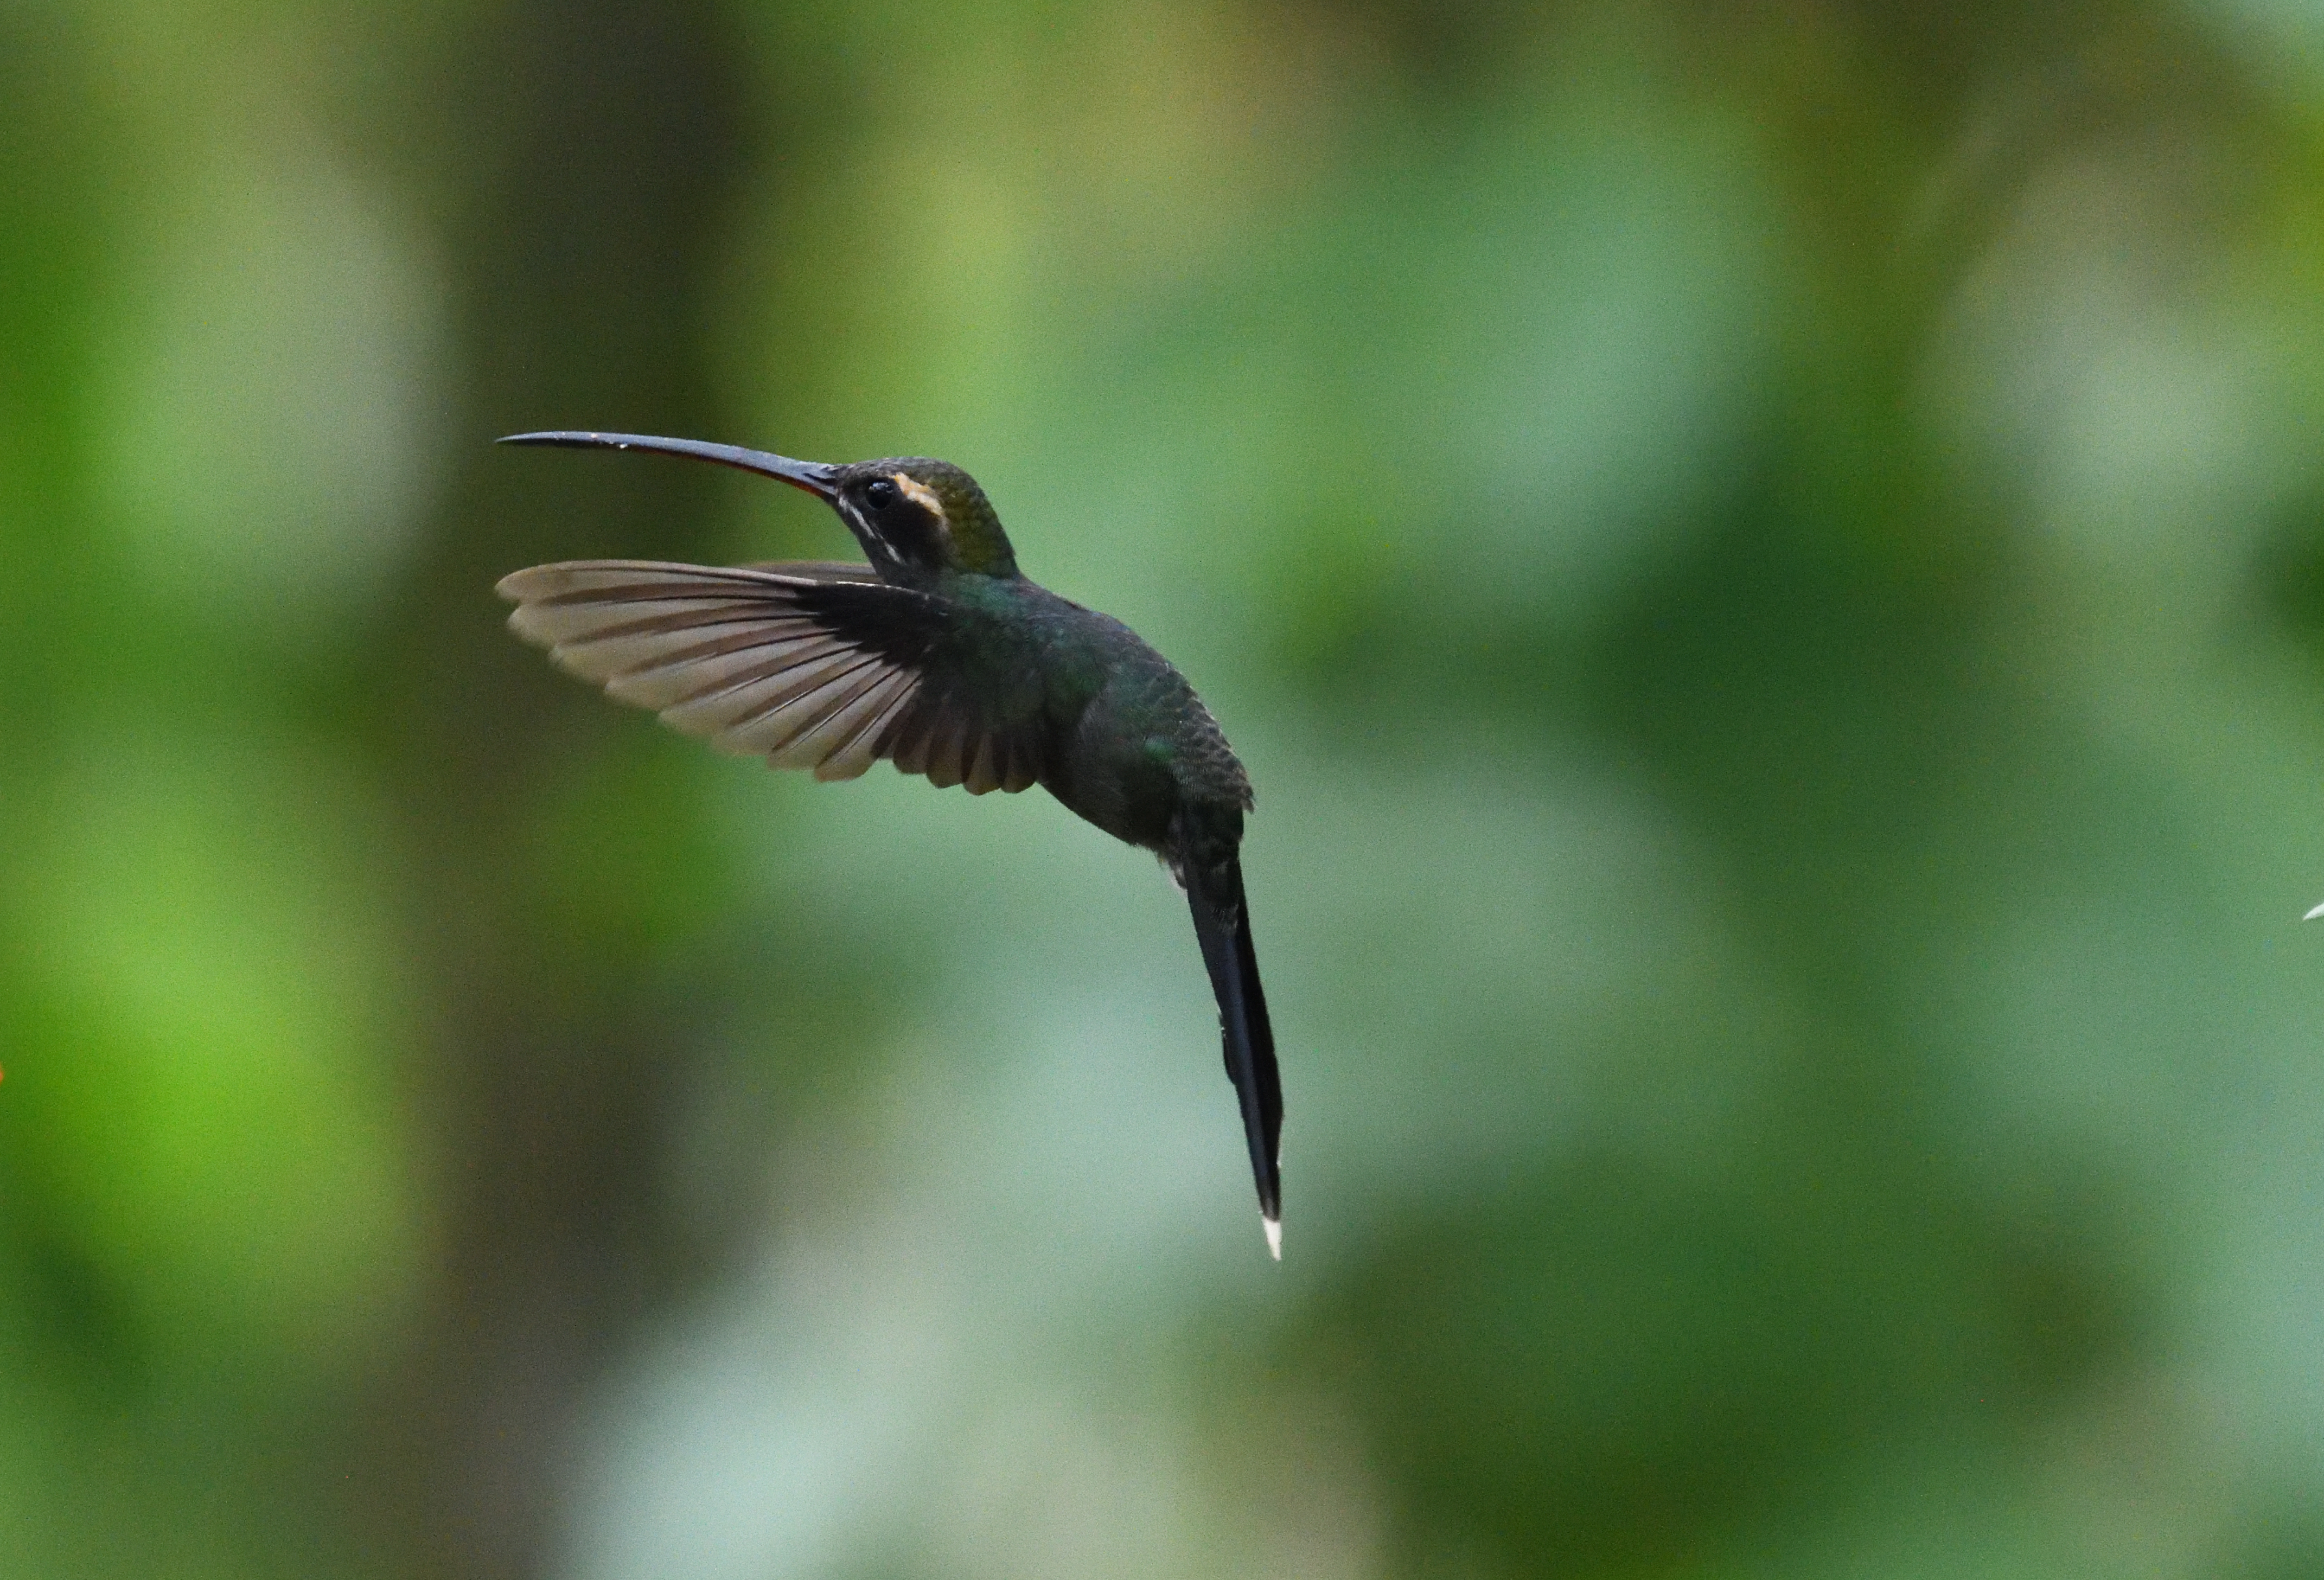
x=940 y=656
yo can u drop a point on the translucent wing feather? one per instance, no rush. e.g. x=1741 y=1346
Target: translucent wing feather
x=812 y=666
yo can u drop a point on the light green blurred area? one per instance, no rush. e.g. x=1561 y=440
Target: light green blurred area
x=1767 y=566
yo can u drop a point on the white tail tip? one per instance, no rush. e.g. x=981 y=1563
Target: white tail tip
x=1274 y=1227
x=2311 y=915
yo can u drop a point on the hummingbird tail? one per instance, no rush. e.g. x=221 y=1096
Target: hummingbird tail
x=1223 y=927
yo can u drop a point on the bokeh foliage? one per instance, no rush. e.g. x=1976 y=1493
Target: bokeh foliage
x=1767 y=563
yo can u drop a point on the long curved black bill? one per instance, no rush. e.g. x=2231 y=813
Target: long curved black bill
x=814 y=476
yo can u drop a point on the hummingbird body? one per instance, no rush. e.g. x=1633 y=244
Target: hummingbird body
x=939 y=655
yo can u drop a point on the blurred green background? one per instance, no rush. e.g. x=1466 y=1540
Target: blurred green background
x=1768 y=562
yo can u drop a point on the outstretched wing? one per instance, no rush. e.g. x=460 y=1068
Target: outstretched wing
x=811 y=665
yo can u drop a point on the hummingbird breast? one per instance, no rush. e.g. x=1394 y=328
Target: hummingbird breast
x=1127 y=745
x=1144 y=750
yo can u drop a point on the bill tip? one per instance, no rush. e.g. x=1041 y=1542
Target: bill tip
x=1274 y=1228
x=570 y=438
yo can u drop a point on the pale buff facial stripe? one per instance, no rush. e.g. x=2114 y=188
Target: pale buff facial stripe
x=921 y=495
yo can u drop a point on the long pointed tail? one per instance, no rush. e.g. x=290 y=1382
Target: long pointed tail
x=1223 y=927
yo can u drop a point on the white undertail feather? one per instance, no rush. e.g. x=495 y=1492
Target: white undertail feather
x=1274 y=1228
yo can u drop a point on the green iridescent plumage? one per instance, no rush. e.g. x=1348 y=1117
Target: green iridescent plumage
x=979 y=543
x=941 y=658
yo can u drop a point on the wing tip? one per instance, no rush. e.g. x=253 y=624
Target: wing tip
x=527 y=624
x=2311 y=915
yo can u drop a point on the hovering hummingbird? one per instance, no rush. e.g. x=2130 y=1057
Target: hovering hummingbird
x=941 y=658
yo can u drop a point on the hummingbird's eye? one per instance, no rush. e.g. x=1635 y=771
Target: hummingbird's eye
x=880 y=493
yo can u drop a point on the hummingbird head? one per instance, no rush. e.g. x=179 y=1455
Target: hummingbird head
x=915 y=517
